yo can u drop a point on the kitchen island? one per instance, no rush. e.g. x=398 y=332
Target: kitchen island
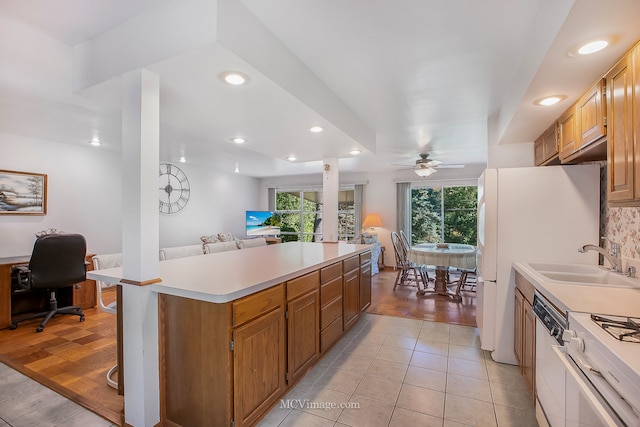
x=237 y=329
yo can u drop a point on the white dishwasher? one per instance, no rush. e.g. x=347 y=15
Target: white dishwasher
x=550 y=371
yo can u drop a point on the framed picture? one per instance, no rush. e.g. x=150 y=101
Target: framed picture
x=23 y=193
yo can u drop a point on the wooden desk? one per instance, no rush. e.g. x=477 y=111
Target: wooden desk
x=83 y=295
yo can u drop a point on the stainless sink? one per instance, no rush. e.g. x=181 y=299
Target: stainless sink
x=585 y=275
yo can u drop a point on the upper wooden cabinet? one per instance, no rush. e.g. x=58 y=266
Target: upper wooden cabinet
x=583 y=128
x=621 y=165
x=546 y=147
x=567 y=134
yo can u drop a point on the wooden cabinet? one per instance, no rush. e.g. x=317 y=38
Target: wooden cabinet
x=518 y=309
x=546 y=147
x=365 y=286
x=351 y=292
x=258 y=366
x=303 y=324
x=583 y=128
x=524 y=328
x=567 y=134
x=621 y=165
x=84 y=294
x=529 y=346
x=230 y=362
x=330 y=305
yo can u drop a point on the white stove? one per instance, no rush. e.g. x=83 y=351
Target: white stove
x=607 y=352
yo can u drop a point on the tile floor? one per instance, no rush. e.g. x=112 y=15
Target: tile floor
x=26 y=403
x=391 y=371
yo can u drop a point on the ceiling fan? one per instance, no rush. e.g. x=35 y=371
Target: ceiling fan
x=425 y=166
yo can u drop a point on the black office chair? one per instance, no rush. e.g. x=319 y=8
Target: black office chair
x=57 y=261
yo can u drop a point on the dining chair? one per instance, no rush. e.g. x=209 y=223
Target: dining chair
x=405 y=241
x=467 y=280
x=409 y=273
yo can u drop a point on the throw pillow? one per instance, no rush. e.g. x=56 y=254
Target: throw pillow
x=49 y=231
x=210 y=239
x=226 y=237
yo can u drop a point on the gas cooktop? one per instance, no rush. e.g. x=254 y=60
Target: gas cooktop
x=620 y=327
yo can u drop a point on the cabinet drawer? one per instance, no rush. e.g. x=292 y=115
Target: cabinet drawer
x=330 y=312
x=330 y=272
x=255 y=305
x=330 y=334
x=302 y=285
x=331 y=290
x=351 y=263
x=365 y=258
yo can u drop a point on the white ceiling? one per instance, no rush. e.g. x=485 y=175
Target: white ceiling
x=393 y=79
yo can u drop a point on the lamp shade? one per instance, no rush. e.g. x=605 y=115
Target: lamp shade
x=424 y=172
x=372 y=220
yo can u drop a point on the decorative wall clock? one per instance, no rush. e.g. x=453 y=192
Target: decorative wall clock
x=174 y=189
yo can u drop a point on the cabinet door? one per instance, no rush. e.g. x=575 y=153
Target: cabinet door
x=529 y=346
x=538 y=151
x=351 y=295
x=590 y=112
x=546 y=146
x=303 y=326
x=550 y=142
x=620 y=163
x=517 y=326
x=567 y=133
x=258 y=366
x=365 y=287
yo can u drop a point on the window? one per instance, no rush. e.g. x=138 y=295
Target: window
x=301 y=215
x=444 y=214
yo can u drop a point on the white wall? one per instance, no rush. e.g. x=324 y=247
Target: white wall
x=84 y=185
x=83 y=194
x=217 y=205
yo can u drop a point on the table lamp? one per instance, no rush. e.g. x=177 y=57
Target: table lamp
x=372 y=221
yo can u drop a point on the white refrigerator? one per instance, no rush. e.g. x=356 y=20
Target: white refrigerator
x=533 y=214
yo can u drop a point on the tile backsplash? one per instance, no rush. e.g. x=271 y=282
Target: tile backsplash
x=619 y=224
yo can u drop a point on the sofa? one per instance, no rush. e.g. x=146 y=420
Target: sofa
x=211 y=244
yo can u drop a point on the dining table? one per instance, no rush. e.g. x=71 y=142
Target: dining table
x=443 y=256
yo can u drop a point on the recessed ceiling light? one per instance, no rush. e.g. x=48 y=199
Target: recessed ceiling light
x=237 y=169
x=355 y=152
x=234 y=78
x=292 y=158
x=182 y=159
x=315 y=129
x=549 y=100
x=95 y=142
x=593 y=47
x=238 y=140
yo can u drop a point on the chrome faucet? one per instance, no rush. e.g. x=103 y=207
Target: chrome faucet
x=613 y=256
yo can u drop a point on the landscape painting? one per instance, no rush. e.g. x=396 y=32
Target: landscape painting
x=23 y=193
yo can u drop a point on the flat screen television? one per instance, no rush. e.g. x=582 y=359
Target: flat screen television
x=262 y=223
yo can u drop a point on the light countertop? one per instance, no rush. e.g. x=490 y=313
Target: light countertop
x=226 y=276
x=585 y=298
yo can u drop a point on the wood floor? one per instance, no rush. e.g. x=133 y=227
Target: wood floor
x=404 y=302
x=73 y=357
x=70 y=357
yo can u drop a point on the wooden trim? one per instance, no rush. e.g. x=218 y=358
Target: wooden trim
x=143 y=283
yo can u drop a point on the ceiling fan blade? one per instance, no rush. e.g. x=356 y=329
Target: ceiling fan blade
x=450 y=166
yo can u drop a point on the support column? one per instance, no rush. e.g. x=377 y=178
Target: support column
x=140 y=246
x=330 y=189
